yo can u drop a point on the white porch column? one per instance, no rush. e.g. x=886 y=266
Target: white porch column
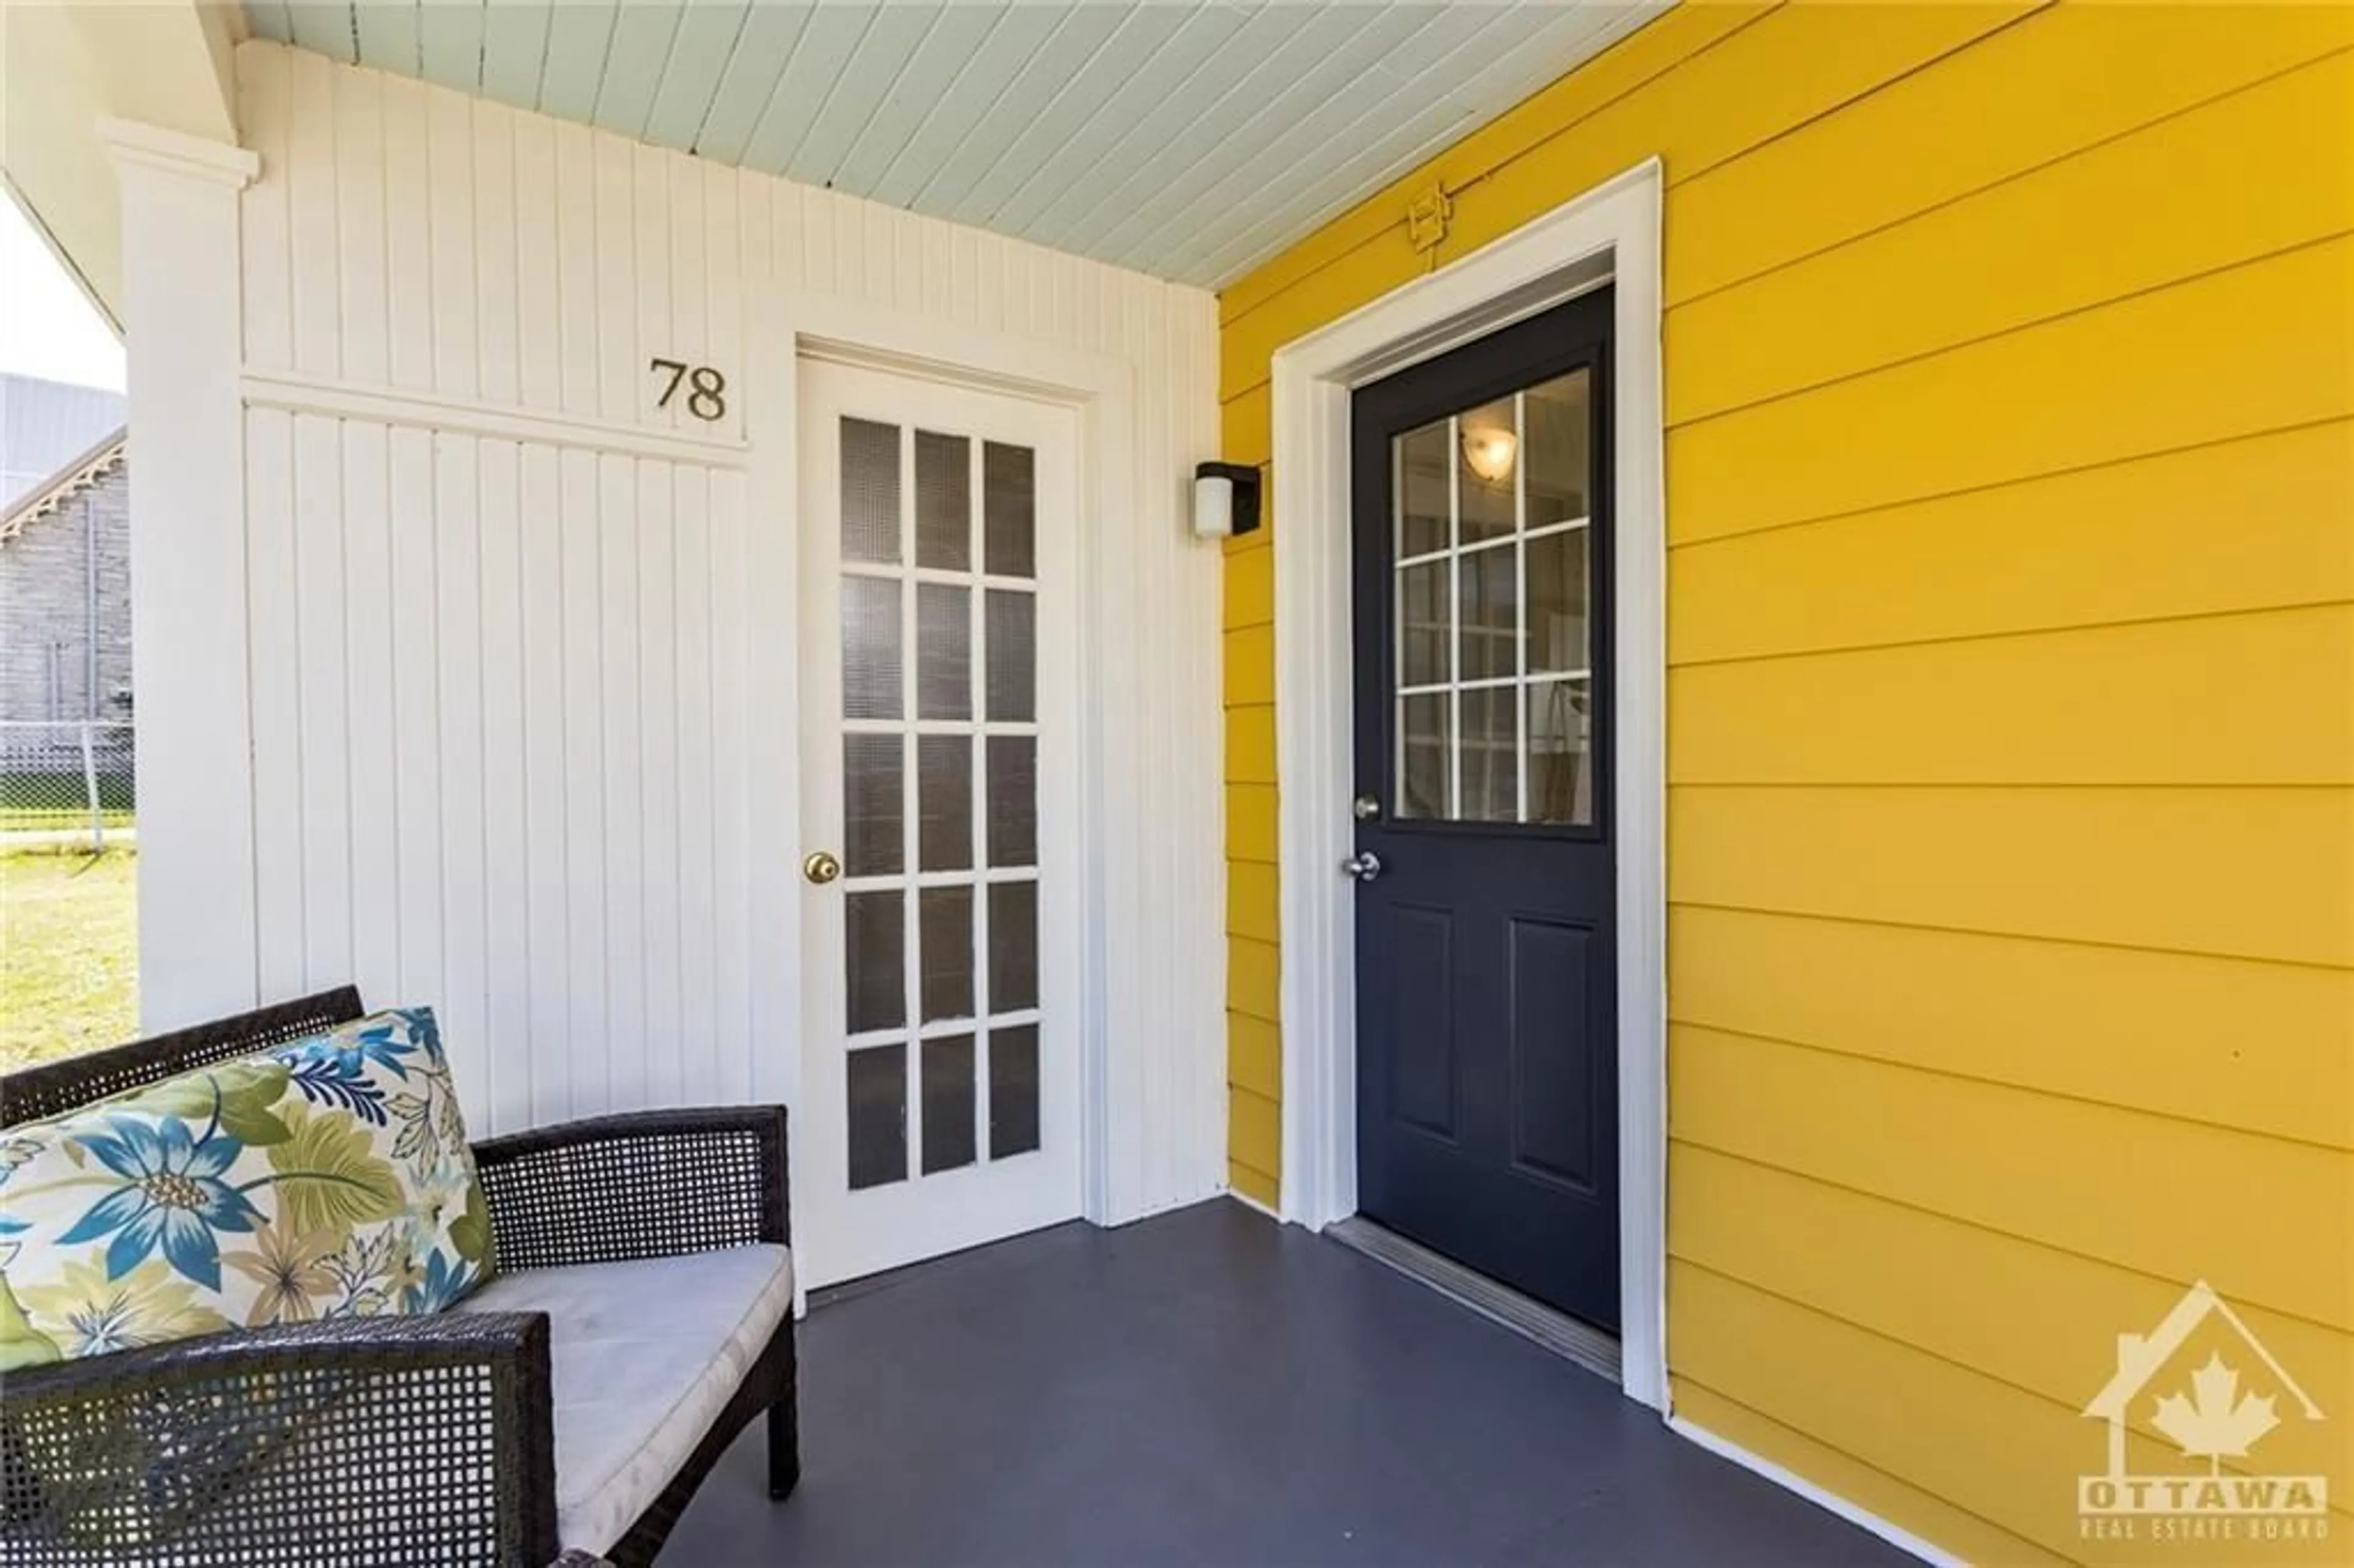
x=183 y=325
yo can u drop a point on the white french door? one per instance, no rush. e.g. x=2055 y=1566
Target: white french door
x=940 y=806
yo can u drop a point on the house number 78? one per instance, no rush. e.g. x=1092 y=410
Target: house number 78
x=707 y=389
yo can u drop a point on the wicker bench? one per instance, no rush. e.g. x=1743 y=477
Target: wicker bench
x=426 y=1439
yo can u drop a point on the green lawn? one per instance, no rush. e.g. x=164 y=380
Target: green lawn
x=68 y=954
x=59 y=819
x=48 y=801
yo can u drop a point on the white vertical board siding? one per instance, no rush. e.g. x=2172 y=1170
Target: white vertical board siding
x=512 y=673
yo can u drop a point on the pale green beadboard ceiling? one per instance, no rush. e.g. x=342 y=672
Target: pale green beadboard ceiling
x=1188 y=140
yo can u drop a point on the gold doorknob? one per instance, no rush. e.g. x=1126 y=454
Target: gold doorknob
x=820 y=868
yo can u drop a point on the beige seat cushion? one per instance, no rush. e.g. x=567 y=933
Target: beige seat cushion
x=645 y=1356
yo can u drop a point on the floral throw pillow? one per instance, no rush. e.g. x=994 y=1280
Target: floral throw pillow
x=326 y=1178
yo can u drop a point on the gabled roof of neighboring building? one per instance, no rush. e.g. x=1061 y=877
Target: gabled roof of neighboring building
x=84 y=470
x=45 y=428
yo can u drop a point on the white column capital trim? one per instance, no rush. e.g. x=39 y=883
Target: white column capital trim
x=135 y=144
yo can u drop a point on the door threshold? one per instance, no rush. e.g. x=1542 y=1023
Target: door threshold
x=1544 y=1326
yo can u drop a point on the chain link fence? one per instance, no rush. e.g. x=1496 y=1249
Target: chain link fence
x=68 y=781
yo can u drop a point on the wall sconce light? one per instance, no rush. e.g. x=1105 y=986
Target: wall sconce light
x=1488 y=452
x=1226 y=500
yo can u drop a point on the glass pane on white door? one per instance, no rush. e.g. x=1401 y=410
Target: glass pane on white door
x=1012 y=805
x=939 y=704
x=949 y=1107
x=943 y=502
x=873 y=802
x=870 y=492
x=870 y=648
x=878 y=1128
x=944 y=801
x=877 y=948
x=1009 y=511
x=1013 y=1091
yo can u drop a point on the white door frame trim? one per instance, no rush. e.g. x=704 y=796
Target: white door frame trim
x=789 y=325
x=1610 y=233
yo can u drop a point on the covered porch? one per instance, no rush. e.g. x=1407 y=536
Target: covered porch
x=1696 y=653
x=1209 y=1387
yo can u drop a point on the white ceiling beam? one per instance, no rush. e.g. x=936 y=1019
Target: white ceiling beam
x=64 y=64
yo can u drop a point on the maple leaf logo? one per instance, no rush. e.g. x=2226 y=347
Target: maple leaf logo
x=2217 y=1421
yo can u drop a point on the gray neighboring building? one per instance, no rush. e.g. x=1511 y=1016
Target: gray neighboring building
x=65 y=554
x=43 y=426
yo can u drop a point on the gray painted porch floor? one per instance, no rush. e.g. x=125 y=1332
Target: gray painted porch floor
x=1207 y=1387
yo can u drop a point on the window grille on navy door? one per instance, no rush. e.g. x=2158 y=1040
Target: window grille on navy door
x=1494 y=679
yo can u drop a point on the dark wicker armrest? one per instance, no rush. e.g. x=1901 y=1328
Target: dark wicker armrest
x=649 y=1184
x=387 y=1439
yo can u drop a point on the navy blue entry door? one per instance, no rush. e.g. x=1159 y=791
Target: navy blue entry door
x=1487 y=1081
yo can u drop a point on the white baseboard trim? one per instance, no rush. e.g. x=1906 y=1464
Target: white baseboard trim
x=1830 y=1502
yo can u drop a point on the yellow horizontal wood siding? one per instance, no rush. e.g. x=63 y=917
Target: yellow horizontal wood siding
x=2009 y=378
x=1254 y=1053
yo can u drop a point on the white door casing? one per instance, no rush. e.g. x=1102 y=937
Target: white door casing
x=941 y=1186
x=1609 y=234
